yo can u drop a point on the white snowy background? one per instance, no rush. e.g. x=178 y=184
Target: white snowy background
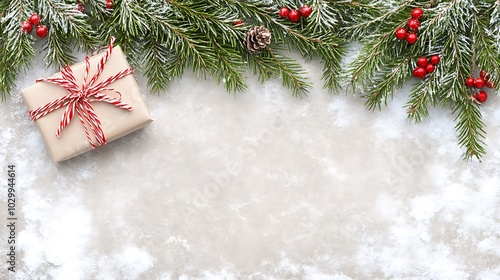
x=257 y=185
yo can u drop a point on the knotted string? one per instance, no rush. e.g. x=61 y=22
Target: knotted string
x=79 y=98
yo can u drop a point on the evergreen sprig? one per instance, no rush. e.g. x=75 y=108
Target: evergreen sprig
x=165 y=38
x=462 y=33
x=17 y=51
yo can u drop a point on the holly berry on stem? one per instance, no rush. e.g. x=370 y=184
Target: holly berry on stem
x=430 y=68
x=479 y=82
x=80 y=7
x=435 y=59
x=482 y=74
x=283 y=12
x=401 y=33
x=294 y=16
x=26 y=26
x=489 y=84
x=417 y=13
x=413 y=24
x=481 y=96
x=306 y=11
x=42 y=31
x=419 y=72
x=411 y=38
x=422 y=62
x=35 y=19
x=109 y=4
x=238 y=22
x=469 y=82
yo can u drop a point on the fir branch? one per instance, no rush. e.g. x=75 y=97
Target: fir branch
x=366 y=63
x=494 y=28
x=423 y=95
x=311 y=40
x=487 y=56
x=269 y=64
x=470 y=127
x=376 y=16
x=386 y=82
x=16 y=47
x=331 y=60
x=231 y=67
x=210 y=19
x=68 y=27
x=155 y=62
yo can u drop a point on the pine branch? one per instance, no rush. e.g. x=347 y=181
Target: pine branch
x=310 y=40
x=386 y=82
x=331 y=60
x=231 y=68
x=269 y=64
x=67 y=28
x=423 y=95
x=458 y=31
x=16 y=50
x=210 y=18
x=155 y=63
x=488 y=57
x=470 y=127
x=377 y=14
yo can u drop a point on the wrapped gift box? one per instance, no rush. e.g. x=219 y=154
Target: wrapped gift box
x=116 y=122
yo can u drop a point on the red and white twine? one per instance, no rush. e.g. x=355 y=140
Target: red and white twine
x=78 y=99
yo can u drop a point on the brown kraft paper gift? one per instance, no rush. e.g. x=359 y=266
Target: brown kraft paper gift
x=116 y=122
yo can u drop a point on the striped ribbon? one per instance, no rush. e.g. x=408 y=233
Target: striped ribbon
x=79 y=98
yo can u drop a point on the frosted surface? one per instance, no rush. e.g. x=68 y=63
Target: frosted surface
x=259 y=185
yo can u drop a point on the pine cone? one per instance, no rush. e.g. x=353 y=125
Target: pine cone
x=257 y=38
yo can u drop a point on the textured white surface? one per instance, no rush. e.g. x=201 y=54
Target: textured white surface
x=257 y=186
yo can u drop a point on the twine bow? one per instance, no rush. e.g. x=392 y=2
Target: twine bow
x=79 y=98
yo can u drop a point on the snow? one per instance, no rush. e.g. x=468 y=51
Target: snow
x=323 y=189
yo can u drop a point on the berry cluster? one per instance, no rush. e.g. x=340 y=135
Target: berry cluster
x=27 y=26
x=425 y=66
x=479 y=83
x=295 y=15
x=413 y=24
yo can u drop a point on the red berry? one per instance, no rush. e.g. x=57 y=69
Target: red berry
x=306 y=11
x=35 y=19
x=417 y=13
x=422 y=62
x=413 y=24
x=419 y=72
x=479 y=83
x=294 y=16
x=481 y=96
x=238 y=22
x=27 y=26
x=482 y=74
x=283 y=12
x=469 y=82
x=430 y=68
x=42 y=31
x=489 y=84
x=109 y=4
x=435 y=59
x=80 y=7
x=401 y=33
x=411 y=38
